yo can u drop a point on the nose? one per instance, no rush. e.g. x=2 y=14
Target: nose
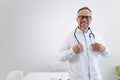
x=84 y=19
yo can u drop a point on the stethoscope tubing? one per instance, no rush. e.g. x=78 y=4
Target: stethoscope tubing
x=91 y=35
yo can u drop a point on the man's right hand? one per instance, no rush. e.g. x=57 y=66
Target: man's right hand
x=78 y=48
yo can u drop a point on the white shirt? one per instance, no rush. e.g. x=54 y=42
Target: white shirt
x=85 y=65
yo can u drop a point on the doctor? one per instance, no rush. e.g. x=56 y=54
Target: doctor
x=83 y=51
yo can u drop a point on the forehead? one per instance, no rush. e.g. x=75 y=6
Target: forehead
x=84 y=12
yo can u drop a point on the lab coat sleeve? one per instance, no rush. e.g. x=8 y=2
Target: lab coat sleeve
x=106 y=52
x=65 y=52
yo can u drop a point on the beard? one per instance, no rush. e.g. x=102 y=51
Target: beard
x=84 y=25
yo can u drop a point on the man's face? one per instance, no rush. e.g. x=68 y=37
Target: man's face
x=84 y=19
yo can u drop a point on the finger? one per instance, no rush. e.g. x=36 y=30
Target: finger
x=80 y=45
x=94 y=45
x=95 y=49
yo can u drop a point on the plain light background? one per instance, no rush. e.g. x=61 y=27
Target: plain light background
x=31 y=32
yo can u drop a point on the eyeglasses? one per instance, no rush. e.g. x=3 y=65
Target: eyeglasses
x=82 y=17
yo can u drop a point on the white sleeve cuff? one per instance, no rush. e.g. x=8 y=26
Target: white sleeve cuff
x=70 y=53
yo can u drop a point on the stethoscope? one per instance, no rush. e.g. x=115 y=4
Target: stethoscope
x=91 y=36
x=92 y=39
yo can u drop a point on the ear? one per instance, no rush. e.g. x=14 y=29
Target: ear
x=90 y=20
x=77 y=19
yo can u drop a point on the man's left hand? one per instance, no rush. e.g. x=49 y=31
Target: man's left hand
x=98 y=47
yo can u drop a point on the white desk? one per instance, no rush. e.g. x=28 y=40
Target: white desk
x=47 y=76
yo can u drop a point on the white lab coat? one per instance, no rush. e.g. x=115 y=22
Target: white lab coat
x=80 y=65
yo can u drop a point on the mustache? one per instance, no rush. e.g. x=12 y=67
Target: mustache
x=84 y=22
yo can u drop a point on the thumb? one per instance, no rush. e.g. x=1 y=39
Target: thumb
x=79 y=45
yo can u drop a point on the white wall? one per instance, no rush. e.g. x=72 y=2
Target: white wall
x=31 y=31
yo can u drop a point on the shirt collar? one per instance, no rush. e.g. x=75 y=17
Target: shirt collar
x=80 y=31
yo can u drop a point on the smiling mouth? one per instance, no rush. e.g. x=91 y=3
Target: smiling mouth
x=84 y=24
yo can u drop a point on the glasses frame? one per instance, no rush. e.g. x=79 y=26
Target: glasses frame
x=86 y=17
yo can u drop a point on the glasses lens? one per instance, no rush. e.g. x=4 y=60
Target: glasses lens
x=82 y=17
